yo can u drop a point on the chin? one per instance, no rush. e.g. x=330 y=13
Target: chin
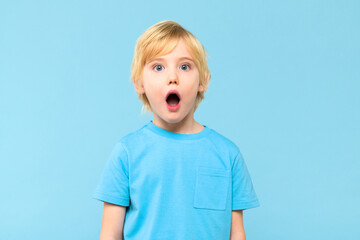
x=172 y=119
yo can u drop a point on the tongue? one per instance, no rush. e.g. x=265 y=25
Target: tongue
x=173 y=102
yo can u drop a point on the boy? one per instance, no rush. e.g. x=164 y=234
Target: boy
x=173 y=178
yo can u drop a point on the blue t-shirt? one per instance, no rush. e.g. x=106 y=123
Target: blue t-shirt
x=176 y=186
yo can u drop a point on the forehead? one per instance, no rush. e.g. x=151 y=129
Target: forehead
x=176 y=59
x=179 y=52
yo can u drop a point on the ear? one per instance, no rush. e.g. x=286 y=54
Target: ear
x=201 y=88
x=139 y=87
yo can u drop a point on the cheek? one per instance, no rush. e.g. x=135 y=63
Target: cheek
x=196 y=82
x=148 y=80
x=153 y=91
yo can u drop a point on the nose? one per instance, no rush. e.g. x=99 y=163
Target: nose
x=173 y=78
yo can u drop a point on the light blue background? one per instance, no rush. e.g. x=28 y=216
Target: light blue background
x=285 y=88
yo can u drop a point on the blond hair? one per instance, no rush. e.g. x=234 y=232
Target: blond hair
x=160 y=39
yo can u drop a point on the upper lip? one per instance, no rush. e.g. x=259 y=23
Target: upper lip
x=173 y=91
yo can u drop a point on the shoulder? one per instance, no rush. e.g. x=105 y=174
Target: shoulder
x=131 y=139
x=124 y=146
x=223 y=142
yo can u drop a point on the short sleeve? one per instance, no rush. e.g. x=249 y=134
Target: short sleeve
x=113 y=186
x=243 y=193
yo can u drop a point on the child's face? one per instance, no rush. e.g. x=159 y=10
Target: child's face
x=169 y=72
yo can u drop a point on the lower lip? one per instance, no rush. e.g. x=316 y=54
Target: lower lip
x=173 y=108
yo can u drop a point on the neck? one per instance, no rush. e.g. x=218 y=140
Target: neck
x=184 y=126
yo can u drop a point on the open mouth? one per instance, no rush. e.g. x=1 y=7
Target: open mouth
x=173 y=99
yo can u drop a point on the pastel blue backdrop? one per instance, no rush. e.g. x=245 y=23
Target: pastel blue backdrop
x=285 y=88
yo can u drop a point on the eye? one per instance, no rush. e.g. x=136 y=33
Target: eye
x=157 y=67
x=187 y=66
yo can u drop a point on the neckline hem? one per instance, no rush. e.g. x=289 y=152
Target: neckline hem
x=178 y=136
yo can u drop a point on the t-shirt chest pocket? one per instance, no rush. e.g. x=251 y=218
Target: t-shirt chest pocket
x=211 y=188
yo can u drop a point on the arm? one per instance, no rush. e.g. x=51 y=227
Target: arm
x=237 y=231
x=112 y=222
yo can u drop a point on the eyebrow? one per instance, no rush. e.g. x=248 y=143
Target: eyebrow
x=161 y=58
